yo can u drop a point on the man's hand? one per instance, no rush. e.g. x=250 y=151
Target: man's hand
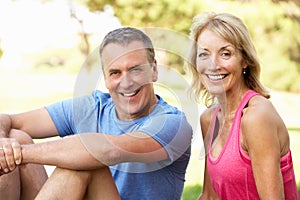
x=10 y=155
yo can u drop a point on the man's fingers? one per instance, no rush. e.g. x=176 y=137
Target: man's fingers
x=17 y=152
x=3 y=161
x=9 y=156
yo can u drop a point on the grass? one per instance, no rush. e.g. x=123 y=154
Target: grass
x=22 y=92
x=191 y=192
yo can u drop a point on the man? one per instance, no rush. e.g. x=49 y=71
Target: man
x=129 y=142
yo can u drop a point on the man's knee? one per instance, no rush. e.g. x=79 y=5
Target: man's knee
x=21 y=136
x=80 y=176
x=84 y=177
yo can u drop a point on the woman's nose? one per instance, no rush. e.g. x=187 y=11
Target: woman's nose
x=214 y=63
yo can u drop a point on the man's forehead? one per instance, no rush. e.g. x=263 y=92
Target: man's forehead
x=119 y=47
x=114 y=51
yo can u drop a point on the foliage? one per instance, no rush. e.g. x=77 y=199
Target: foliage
x=275 y=33
x=276 y=37
x=150 y=13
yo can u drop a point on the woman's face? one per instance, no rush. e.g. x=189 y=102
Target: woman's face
x=219 y=64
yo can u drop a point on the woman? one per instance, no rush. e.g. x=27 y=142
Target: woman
x=247 y=143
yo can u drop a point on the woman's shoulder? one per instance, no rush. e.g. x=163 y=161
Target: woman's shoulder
x=206 y=117
x=259 y=107
x=260 y=117
x=261 y=125
x=208 y=113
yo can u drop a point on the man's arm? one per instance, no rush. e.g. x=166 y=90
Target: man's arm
x=93 y=150
x=36 y=123
x=5 y=125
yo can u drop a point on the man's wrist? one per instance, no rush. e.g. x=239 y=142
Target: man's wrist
x=3 y=134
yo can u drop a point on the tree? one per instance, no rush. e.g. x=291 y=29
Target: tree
x=275 y=33
x=171 y=14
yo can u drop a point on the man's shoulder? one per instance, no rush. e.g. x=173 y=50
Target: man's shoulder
x=97 y=94
x=164 y=106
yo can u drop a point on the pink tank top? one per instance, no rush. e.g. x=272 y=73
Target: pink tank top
x=231 y=173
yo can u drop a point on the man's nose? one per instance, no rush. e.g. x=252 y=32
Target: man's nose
x=126 y=80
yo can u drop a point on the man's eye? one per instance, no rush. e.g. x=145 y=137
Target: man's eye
x=136 y=70
x=113 y=73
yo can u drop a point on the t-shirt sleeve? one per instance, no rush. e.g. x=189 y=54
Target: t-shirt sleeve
x=61 y=114
x=74 y=116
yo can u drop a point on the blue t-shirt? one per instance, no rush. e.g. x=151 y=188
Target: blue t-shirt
x=134 y=180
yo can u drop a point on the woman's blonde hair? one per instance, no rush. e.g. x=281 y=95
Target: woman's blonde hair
x=233 y=30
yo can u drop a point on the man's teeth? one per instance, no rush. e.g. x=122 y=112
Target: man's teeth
x=129 y=94
x=216 y=77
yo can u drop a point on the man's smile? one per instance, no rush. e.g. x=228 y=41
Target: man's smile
x=130 y=94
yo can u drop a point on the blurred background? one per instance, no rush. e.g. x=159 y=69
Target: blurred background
x=45 y=43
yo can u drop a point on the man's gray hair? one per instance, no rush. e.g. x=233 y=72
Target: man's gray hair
x=126 y=35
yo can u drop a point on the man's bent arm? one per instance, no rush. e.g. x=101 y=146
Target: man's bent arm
x=67 y=152
x=37 y=123
x=5 y=125
x=93 y=150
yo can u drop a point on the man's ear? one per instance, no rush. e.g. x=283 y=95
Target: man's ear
x=155 y=71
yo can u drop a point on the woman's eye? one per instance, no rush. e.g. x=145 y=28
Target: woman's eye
x=226 y=55
x=203 y=55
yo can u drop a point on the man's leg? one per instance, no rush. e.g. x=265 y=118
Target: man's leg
x=92 y=184
x=31 y=176
x=10 y=185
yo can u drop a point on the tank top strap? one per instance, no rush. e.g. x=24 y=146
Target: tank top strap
x=212 y=132
x=247 y=96
x=238 y=115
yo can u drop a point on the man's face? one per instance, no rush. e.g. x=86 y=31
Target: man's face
x=128 y=77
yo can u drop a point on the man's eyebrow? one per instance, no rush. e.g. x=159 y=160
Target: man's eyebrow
x=112 y=70
x=134 y=66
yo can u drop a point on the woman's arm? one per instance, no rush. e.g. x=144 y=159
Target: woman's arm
x=208 y=192
x=260 y=138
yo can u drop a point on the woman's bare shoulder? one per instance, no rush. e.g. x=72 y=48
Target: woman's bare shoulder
x=205 y=119
x=261 y=124
x=260 y=108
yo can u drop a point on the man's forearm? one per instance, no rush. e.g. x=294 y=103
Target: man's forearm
x=67 y=153
x=5 y=125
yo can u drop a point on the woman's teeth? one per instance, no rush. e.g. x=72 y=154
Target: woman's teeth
x=216 y=77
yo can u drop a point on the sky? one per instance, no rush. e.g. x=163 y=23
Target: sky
x=28 y=26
